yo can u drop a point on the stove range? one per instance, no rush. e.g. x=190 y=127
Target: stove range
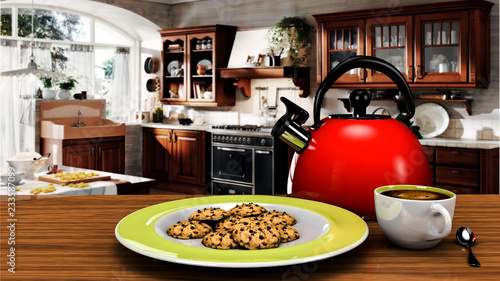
x=247 y=160
x=251 y=128
x=241 y=130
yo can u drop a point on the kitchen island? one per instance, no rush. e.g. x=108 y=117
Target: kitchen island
x=73 y=238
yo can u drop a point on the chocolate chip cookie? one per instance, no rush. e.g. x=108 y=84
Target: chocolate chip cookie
x=247 y=209
x=189 y=229
x=220 y=239
x=254 y=238
x=228 y=223
x=277 y=217
x=209 y=214
x=251 y=222
x=287 y=233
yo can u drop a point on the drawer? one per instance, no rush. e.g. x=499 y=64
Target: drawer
x=430 y=152
x=459 y=189
x=221 y=188
x=457 y=156
x=433 y=173
x=457 y=176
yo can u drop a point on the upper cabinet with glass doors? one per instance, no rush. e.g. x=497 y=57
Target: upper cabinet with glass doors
x=191 y=58
x=391 y=40
x=442 y=47
x=438 y=45
x=344 y=39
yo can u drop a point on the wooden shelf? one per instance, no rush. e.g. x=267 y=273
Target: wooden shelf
x=202 y=50
x=402 y=106
x=245 y=74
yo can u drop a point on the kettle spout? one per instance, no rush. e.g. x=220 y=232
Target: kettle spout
x=288 y=127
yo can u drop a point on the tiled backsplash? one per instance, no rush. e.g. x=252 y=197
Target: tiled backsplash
x=472 y=129
x=216 y=117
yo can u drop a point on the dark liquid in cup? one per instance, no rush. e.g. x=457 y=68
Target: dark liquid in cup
x=415 y=194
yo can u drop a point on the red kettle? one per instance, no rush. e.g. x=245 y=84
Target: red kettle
x=344 y=157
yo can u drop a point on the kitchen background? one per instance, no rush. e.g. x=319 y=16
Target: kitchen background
x=483 y=124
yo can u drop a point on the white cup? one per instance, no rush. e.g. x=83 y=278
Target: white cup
x=207 y=95
x=444 y=37
x=454 y=37
x=428 y=38
x=412 y=223
x=444 y=67
x=142 y=116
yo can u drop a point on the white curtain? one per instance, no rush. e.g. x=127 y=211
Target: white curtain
x=79 y=66
x=17 y=94
x=10 y=103
x=120 y=93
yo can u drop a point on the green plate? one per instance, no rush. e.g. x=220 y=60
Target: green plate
x=325 y=231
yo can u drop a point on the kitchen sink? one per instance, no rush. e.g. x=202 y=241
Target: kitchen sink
x=64 y=128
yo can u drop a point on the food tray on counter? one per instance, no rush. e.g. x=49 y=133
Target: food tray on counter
x=53 y=179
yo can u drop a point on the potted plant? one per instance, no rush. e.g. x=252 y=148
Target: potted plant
x=293 y=35
x=65 y=86
x=48 y=92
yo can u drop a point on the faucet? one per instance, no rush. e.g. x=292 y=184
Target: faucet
x=79 y=123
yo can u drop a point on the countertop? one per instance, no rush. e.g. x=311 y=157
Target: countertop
x=203 y=127
x=94 y=188
x=72 y=238
x=463 y=143
x=443 y=142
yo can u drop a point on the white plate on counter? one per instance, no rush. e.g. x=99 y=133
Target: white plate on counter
x=325 y=231
x=432 y=119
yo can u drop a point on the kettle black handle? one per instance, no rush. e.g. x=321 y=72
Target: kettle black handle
x=364 y=62
x=297 y=114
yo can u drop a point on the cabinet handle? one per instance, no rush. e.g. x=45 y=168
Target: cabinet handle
x=174 y=138
x=410 y=72
x=100 y=152
x=456 y=172
x=92 y=152
x=169 y=136
x=455 y=152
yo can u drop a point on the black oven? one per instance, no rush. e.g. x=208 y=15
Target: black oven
x=233 y=164
x=247 y=162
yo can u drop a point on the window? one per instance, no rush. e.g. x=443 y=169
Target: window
x=6 y=22
x=81 y=46
x=54 y=25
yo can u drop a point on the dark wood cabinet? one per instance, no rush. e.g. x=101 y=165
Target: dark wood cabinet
x=183 y=53
x=464 y=170
x=101 y=154
x=175 y=155
x=437 y=45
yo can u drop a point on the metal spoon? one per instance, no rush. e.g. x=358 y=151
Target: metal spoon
x=466 y=237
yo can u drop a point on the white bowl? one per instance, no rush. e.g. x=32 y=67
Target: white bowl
x=13 y=178
x=28 y=166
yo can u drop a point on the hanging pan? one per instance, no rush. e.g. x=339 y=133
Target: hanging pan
x=151 y=85
x=151 y=65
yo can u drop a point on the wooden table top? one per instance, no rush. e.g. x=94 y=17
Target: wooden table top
x=72 y=238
